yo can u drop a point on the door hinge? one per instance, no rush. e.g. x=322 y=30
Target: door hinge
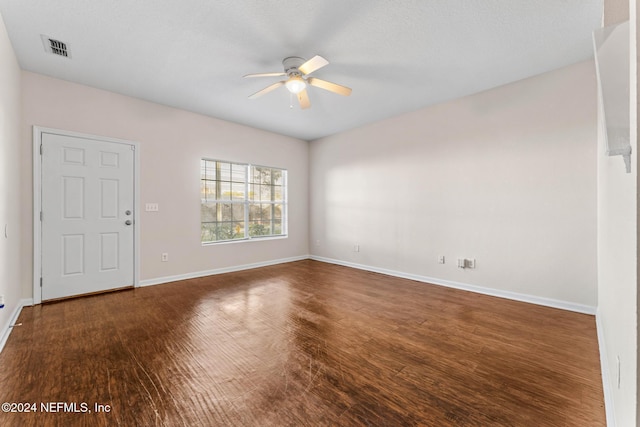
x=41 y=282
x=133 y=148
x=40 y=216
x=41 y=149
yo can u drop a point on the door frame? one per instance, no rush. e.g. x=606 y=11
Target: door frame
x=37 y=202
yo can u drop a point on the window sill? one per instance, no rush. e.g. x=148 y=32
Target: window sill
x=252 y=239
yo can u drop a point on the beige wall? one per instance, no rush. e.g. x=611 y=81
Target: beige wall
x=172 y=142
x=10 y=213
x=506 y=177
x=615 y=12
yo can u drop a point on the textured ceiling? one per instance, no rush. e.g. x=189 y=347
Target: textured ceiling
x=396 y=55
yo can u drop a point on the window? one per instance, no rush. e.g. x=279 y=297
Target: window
x=242 y=201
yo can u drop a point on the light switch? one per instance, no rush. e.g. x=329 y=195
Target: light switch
x=151 y=207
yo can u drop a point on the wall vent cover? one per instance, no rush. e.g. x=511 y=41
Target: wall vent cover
x=54 y=46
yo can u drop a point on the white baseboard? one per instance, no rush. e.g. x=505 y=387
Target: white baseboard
x=606 y=378
x=167 y=279
x=548 y=302
x=6 y=329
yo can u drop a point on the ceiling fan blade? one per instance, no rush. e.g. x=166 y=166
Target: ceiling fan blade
x=313 y=64
x=267 y=89
x=303 y=99
x=265 y=75
x=331 y=87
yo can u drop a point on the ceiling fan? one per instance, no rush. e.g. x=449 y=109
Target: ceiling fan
x=297 y=71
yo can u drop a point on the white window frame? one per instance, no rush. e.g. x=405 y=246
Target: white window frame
x=247 y=202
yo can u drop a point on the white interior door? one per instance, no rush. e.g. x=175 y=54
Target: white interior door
x=87 y=215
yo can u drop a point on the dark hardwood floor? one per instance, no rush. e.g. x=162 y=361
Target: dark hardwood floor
x=301 y=344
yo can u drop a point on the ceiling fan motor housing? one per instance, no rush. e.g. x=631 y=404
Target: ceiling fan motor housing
x=291 y=65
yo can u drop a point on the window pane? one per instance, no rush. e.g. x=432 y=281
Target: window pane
x=203 y=190
x=256 y=175
x=224 y=171
x=208 y=233
x=203 y=169
x=239 y=173
x=238 y=191
x=266 y=212
x=277 y=177
x=278 y=194
x=259 y=229
x=224 y=212
x=238 y=212
x=266 y=176
x=208 y=212
x=254 y=211
x=224 y=189
x=238 y=230
x=208 y=169
x=261 y=219
x=265 y=192
x=209 y=190
x=224 y=231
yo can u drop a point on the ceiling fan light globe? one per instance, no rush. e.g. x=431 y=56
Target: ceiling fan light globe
x=295 y=85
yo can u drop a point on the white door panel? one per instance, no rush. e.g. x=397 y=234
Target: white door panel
x=87 y=199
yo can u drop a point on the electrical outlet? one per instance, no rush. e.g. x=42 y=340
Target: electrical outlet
x=356 y=248
x=441 y=259
x=165 y=257
x=466 y=263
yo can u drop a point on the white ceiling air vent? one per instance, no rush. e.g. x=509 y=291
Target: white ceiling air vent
x=55 y=46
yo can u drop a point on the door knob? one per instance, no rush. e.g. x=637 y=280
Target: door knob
x=127 y=212
x=128 y=222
